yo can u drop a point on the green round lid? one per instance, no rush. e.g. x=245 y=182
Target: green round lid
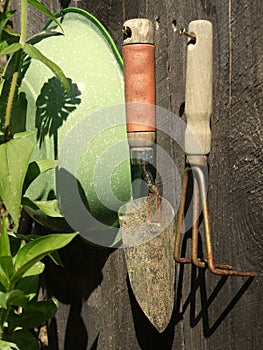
x=85 y=132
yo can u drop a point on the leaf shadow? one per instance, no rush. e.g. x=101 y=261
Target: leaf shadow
x=53 y=106
x=19 y=109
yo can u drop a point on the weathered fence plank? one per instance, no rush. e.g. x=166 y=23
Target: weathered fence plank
x=97 y=308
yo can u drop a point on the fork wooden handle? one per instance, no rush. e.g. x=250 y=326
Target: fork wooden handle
x=198 y=97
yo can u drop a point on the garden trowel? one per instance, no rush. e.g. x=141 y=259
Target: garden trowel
x=147 y=222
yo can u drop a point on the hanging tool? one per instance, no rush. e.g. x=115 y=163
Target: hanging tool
x=147 y=222
x=198 y=110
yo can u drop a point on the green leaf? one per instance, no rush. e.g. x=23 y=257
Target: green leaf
x=4 y=17
x=26 y=237
x=44 y=165
x=13 y=319
x=23 y=339
x=43 y=35
x=14 y=297
x=18 y=117
x=3 y=287
x=15 y=243
x=14 y=158
x=3 y=45
x=6 y=261
x=55 y=257
x=42 y=8
x=29 y=285
x=38 y=312
x=10 y=37
x=35 y=270
x=30 y=281
x=24 y=134
x=50 y=208
x=34 y=314
x=4 y=279
x=35 y=169
x=6 y=270
x=10 y=49
x=6 y=345
x=34 y=53
x=35 y=250
x=4 y=239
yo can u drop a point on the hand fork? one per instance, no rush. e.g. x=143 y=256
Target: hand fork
x=198 y=110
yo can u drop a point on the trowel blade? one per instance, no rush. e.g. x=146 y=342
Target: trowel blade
x=149 y=249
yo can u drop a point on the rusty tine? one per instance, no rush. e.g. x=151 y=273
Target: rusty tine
x=198 y=110
x=180 y=219
x=215 y=269
x=200 y=196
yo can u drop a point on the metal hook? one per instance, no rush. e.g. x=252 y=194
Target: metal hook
x=191 y=35
x=183 y=31
x=127 y=32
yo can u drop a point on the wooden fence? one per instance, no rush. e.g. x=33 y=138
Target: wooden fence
x=97 y=309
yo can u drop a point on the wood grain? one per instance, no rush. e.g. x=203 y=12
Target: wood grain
x=97 y=309
x=199 y=86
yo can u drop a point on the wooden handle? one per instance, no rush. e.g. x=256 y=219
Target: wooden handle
x=139 y=79
x=138 y=30
x=198 y=98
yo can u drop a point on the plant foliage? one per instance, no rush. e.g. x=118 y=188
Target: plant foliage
x=20 y=259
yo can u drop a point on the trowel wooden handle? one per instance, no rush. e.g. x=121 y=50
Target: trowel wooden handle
x=198 y=98
x=139 y=79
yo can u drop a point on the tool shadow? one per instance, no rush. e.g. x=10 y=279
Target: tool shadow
x=72 y=285
x=198 y=283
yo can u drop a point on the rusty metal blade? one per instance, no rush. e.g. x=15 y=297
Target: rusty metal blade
x=147 y=233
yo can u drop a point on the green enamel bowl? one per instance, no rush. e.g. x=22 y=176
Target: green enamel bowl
x=85 y=132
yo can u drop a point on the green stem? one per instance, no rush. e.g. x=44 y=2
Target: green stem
x=23 y=22
x=12 y=91
x=10 y=103
x=3 y=317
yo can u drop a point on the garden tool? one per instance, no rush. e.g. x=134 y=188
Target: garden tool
x=147 y=222
x=198 y=110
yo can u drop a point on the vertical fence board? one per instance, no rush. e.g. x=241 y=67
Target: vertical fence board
x=97 y=309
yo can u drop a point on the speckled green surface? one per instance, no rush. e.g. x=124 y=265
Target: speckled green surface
x=90 y=60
